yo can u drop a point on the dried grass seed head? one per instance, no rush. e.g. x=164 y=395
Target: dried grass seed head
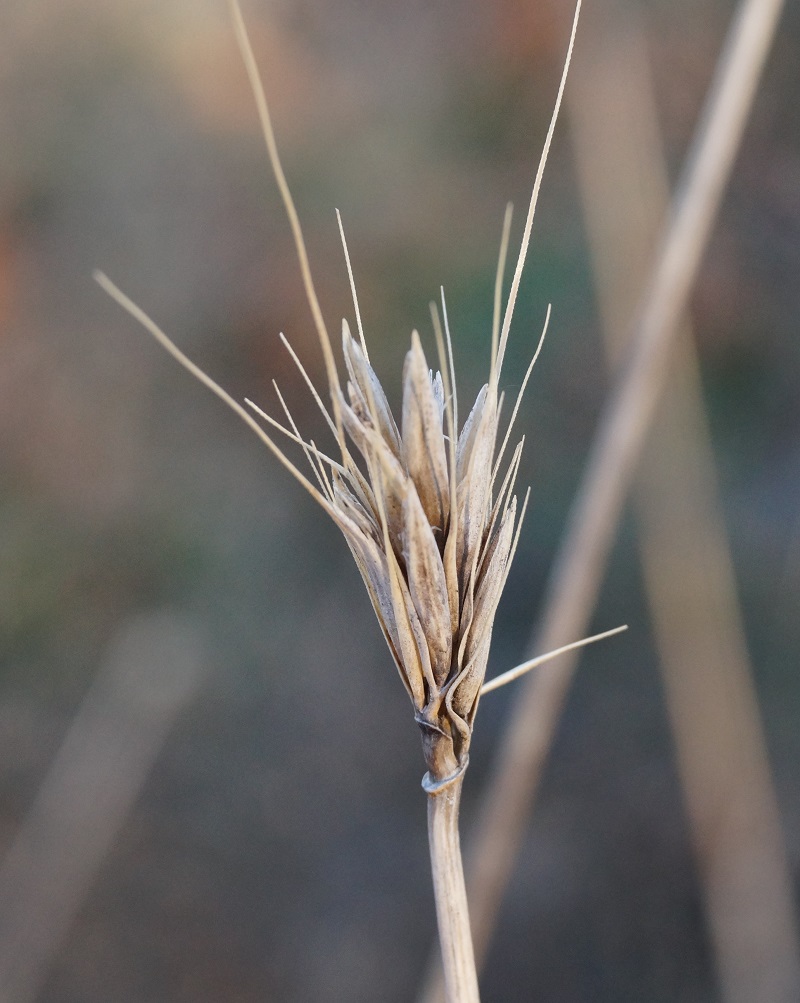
x=431 y=538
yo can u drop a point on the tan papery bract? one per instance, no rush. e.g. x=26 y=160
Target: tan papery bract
x=423 y=440
x=428 y=586
x=363 y=376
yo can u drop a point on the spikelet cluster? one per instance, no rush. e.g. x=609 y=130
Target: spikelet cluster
x=430 y=523
x=431 y=527
x=432 y=542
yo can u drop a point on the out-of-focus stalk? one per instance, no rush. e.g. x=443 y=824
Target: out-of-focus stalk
x=578 y=569
x=688 y=572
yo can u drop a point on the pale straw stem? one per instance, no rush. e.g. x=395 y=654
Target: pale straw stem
x=452 y=914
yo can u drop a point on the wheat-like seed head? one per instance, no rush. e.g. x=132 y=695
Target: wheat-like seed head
x=431 y=542
x=431 y=533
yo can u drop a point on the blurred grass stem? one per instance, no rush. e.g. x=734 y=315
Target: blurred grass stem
x=722 y=758
x=151 y=672
x=579 y=566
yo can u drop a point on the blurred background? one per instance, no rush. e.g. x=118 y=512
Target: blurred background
x=184 y=634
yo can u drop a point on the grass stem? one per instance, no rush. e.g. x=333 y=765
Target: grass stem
x=458 y=960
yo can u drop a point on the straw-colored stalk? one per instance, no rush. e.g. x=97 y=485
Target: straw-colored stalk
x=429 y=515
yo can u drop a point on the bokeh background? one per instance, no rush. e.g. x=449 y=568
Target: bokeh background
x=266 y=850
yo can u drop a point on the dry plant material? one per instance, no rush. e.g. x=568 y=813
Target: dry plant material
x=428 y=512
x=577 y=570
x=687 y=569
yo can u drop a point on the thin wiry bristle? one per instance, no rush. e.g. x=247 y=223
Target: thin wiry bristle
x=533 y=663
x=257 y=87
x=498 y=289
x=518 y=401
x=523 y=251
x=309 y=383
x=353 y=292
x=148 y=324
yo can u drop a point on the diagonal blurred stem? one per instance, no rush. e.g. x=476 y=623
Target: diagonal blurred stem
x=578 y=569
x=688 y=574
x=152 y=671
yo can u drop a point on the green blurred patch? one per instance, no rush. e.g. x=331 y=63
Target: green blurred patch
x=66 y=583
